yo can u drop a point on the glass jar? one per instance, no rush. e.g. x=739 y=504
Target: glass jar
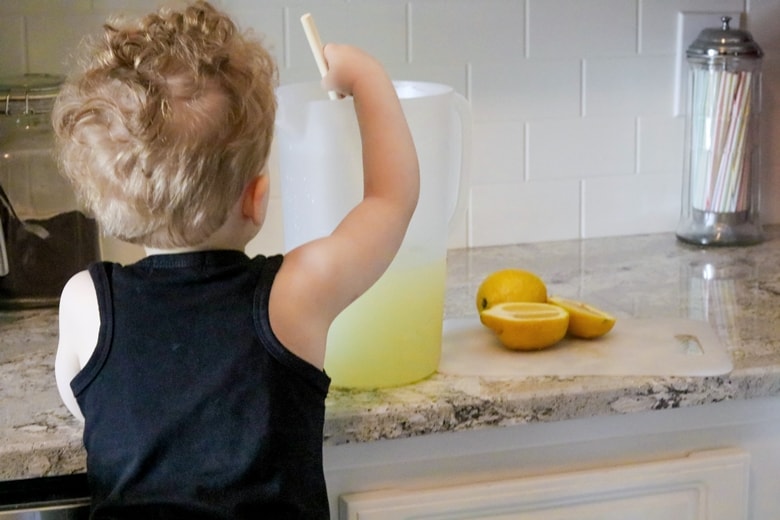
x=721 y=176
x=45 y=239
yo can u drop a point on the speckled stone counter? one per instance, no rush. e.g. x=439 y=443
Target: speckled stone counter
x=736 y=289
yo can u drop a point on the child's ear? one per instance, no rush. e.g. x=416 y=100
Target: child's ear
x=255 y=199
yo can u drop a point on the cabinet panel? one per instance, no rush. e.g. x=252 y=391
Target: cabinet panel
x=706 y=485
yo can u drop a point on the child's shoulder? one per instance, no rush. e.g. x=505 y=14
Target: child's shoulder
x=79 y=290
x=79 y=316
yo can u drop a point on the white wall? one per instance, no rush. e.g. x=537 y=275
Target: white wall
x=575 y=127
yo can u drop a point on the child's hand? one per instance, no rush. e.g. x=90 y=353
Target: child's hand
x=349 y=66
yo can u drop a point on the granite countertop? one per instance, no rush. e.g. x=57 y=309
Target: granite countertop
x=736 y=289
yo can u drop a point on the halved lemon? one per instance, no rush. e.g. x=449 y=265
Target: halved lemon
x=526 y=325
x=585 y=321
x=510 y=285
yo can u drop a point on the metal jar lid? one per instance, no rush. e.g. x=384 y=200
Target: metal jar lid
x=28 y=93
x=723 y=41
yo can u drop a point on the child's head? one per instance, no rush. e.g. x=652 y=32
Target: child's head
x=170 y=119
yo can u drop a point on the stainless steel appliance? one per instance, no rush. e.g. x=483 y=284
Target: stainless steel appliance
x=44 y=237
x=47 y=498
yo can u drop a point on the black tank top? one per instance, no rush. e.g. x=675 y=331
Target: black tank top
x=193 y=409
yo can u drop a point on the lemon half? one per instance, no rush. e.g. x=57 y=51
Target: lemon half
x=526 y=325
x=510 y=285
x=585 y=321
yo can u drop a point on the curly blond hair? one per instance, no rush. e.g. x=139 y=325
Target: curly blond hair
x=168 y=121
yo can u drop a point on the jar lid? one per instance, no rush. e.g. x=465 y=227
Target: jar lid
x=724 y=41
x=28 y=93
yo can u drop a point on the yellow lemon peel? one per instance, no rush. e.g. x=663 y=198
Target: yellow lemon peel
x=510 y=285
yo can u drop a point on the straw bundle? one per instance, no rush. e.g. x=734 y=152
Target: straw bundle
x=720 y=140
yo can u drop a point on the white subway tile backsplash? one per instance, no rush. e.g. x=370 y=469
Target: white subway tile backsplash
x=378 y=27
x=638 y=85
x=526 y=89
x=581 y=148
x=524 y=212
x=267 y=22
x=574 y=131
x=659 y=20
x=498 y=152
x=564 y=28
x=454 y=31
x=661 y=144
x=630 y=204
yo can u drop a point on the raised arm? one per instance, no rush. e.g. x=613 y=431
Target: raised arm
x=319 y=279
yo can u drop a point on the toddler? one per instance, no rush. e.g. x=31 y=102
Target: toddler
x=198 y=371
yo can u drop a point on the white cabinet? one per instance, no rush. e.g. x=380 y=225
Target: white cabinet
x=682 y=463
x=711 y=485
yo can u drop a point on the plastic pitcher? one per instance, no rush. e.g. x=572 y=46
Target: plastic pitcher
x=392 y=334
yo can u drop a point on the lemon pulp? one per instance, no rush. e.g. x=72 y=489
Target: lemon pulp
x=526 y=325
x=585 y=321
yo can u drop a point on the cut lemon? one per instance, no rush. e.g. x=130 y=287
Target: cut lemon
x=585 y=321
x=526 y=325
x=510 y=285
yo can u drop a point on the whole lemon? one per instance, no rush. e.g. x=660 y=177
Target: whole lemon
x=510 y=285
x=526 y=325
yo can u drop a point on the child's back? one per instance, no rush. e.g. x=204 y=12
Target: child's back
x=191 y=401
x=199 y=370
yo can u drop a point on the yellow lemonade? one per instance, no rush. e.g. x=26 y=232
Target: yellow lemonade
x=391 y=335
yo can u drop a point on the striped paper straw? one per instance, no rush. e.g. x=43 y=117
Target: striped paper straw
x=720 y=164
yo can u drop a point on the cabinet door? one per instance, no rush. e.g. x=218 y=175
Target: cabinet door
x=709 y=485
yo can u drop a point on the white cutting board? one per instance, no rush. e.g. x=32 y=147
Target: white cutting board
x=634 y=347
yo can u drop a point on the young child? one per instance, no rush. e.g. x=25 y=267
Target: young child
x=198 y=370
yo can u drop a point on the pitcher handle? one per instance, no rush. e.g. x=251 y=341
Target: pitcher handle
x=458 y=189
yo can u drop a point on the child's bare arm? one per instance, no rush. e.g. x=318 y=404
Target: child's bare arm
x=390 y=169
x=79 y=326
x=319 y=279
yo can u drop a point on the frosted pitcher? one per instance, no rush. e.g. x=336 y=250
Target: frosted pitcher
x=392 y=334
